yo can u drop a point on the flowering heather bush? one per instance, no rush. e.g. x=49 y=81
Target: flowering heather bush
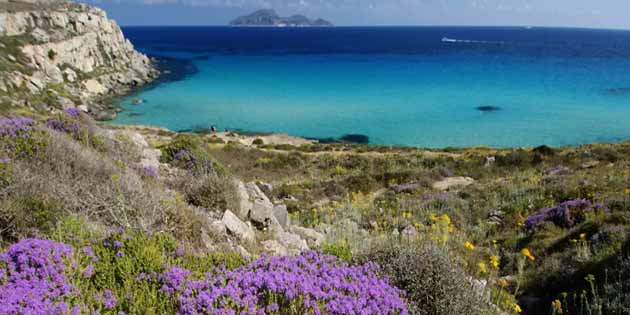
x=33 y=279
x=73 y=112
x=186 y=152
x=68 y=122
x=14 y=127
x=148 y=172
x=17 y=136
x=46 y=277
x=306 y=284
x=566 y=214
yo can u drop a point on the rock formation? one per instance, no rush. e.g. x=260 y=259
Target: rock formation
x=59 y=54
x=269 y=17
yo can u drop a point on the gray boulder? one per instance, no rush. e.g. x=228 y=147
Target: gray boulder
x=261 y=213
x=106 y=115
x=244 y=202
x=282 y=215
x=275 y=248
x=292 y=242
x=451 y=182
x=237 y=227
x=312 y=237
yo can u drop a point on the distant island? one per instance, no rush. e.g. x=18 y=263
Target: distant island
x=269 y=17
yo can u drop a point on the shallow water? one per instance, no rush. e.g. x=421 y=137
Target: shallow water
x=501 y=87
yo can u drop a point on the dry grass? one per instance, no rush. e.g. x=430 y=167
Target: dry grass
x=86 y=182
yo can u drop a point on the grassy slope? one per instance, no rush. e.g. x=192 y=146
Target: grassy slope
x=327 y=184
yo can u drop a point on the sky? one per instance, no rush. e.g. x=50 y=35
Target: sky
x=568 y=13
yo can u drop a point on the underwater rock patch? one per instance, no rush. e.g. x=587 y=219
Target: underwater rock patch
x=355 y=138
x=618 y=91
x=488 y=108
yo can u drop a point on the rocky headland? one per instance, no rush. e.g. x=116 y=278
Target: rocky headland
x=58 y=54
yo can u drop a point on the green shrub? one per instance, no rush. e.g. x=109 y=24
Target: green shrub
x=52 y=54
x=544 y=150
x=360 y=183
x=341 y=251
x=186 y=152
x=281 y=161
x=180 y=143
x=258 y=141
x=516 y=158
x=434 y=281
x=26 y=216
x=213 y=193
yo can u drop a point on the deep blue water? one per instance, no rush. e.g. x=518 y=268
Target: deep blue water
x=396 y=85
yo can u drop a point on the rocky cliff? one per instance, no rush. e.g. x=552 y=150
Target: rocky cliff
x=59 y=54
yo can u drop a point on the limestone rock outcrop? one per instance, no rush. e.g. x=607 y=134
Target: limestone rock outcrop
x=71 y=49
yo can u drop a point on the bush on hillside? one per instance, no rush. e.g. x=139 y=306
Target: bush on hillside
x=435 y=283
x=515 y=158
x=210 y=192
x=186 y=152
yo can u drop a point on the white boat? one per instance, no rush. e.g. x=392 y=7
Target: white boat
x=448 y=40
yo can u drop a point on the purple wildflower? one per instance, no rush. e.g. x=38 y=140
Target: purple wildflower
x=34 y=280
x=148 y=171
x=15 y=127
x=109 y=299
x=565 y=214
x=73 y=112
x=179 y=252
x=89 y=271
x=311 y=282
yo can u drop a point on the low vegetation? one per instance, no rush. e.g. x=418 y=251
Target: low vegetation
x=458 y=231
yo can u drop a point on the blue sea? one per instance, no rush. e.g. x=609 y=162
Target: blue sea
x=411 y=86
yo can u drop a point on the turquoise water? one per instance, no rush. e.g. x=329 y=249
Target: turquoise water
x=427 y=99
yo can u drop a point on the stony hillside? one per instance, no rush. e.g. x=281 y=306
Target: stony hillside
x=58 y=54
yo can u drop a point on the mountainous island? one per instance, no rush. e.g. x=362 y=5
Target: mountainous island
x=269 y=17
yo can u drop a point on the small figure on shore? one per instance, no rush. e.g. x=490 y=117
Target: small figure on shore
x=213 y=129
x=226 y=130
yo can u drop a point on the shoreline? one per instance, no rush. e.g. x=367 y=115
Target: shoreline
x=167 y=71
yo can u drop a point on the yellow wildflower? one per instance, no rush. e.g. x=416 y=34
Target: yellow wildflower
x=517 y=308
x=528 y=254
x=494 y=261
x=503 y=283
x=468 y=245
x=583 y=236
x=433 y=217
x=573 y=241
x=557 y=307
x=446 y=219
x=482 y=267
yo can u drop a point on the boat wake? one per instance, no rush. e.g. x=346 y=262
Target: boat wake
x=468 y=41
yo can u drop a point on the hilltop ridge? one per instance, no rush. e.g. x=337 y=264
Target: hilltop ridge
x=269 y=17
